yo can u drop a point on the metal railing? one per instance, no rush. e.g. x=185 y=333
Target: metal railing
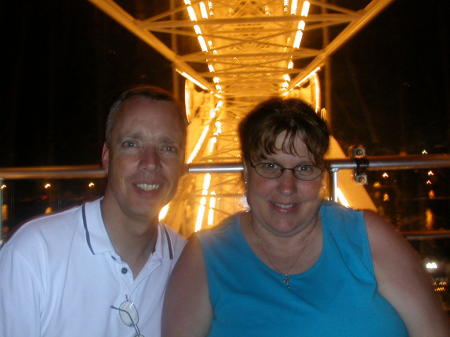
x=358 y=165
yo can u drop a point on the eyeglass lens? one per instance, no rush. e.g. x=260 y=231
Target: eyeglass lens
x=129 y=315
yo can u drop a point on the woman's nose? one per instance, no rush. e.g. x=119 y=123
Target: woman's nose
x=287 y=182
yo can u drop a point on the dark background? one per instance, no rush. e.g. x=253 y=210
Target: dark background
x=64 y=61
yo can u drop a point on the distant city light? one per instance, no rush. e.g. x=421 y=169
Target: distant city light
x=386 y=197
x=91 y=185
x=424 y=152
x=430 y=173
x=432 y=265
x=385 y=175
x=377 y=184
x=428 y=182
x=47 y=186
x=2 y=187
x=431 y=194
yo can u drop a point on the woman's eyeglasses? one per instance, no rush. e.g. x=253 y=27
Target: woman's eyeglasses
x=274 y=170
x=129 y=315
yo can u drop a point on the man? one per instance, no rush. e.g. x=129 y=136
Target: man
x=101 y=269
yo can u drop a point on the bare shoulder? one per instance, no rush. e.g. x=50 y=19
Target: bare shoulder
x=187 y=310
x=402 y=279
x=385 y=241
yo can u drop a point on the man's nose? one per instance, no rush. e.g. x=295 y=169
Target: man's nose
x=149 y=158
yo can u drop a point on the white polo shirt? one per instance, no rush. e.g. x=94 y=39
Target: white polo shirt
x=60 y=277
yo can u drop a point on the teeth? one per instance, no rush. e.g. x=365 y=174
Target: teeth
x=148 y=187
x=284 y=205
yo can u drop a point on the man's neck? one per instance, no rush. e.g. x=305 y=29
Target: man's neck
x=133 y=239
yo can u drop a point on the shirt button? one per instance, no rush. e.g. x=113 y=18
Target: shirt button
x=124 y=270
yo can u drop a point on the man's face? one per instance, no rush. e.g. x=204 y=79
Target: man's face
x=144 y=160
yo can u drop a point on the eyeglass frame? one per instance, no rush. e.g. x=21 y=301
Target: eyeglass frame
x=133 y=323
x=292 y=169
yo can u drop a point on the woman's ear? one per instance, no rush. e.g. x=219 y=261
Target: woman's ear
x=245 y=172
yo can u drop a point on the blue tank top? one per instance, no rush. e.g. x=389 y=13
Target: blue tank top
x=336 y=297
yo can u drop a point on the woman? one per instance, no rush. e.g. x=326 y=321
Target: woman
x=295 y=265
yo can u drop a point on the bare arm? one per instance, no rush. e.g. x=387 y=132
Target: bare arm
x=187 y=309
x=403 y=281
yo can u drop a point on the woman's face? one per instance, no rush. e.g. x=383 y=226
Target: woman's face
x=285 y=205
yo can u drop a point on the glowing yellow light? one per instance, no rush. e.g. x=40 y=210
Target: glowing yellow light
x=428 y=182
x=305 y=8
x=212 y=142
x=377 y=184
x=294 y=5
x=431 y=194
x=211 y=68
x=206 y=183
x=197 y=29
x=47 y=186
x=163 y=212
x=212 y=206
x=201 y=208
x=187 y=2
x=200 y=214
x=209 y=43
x=298 y=39
x=424 y=152
x=198 y=145
x=218 y=126
x=203 y=10
x=212 y=113
x=317 y=92
x=202 y=42
x=91 y=185
x=2 y=187
x=193 y=80
x=301 y=25
x=216 y=79
x=48 y=210
x=286 y=77
x=341 y=198
x=187 y=101
x=430 y=173
x=307 y=77
x=290 y=65
x=386 y=197
x=191 y=13
x=385 y=175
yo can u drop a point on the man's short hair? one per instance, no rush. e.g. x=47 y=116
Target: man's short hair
x=148 y=91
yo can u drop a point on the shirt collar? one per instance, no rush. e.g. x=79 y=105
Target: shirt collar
x=97 y=238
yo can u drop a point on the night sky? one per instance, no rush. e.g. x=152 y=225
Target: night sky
x=64 y=61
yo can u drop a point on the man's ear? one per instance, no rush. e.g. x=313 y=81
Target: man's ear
x=105 y=158
x=185 y=169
